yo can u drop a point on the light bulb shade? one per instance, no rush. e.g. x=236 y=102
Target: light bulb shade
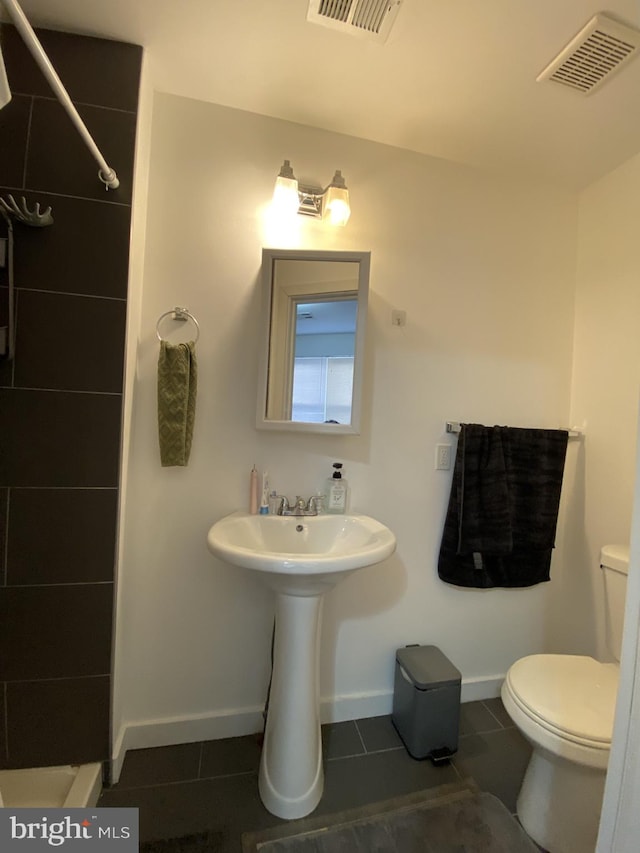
x=285 y=193
x=336 y=205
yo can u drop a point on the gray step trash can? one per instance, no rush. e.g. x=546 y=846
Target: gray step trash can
x=426 y=702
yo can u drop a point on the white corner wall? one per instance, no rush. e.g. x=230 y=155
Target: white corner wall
x=605 y=385
x=134 y=310
x=609 y=284
x=485 y=269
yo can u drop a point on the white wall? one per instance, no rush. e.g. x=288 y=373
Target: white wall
x=608 y=297
x=484 y=268
x=604 y=394
x=134 y=309
x=620 y=820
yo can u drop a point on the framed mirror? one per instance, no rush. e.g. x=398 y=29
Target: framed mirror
x=314 y=321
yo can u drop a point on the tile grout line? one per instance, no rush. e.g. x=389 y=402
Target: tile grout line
x=15 y=335
x=452 y=763
x=200 y=752
x=77 y=103
x=190 y=781
x=59 y=584
x=36 y=191
x=61 y=390
x=65 y=488
x=364 y=746
x=484 y=732
x=500 y=723
x=5 y=555
x=5 y=711
x=27 y=143
x=24 y=289
x=366 y=752
x=9 y=681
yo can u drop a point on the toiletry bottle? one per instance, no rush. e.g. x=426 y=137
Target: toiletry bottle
x=274 y=502
x=337 y=491
x=253 y=491
x=264 y=499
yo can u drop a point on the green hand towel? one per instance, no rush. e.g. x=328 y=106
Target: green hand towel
x=177 y=385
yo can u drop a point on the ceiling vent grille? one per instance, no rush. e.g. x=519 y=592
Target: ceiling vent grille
x=370 y=19
x=600 y=49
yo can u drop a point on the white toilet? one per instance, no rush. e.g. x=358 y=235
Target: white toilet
x=564 y=705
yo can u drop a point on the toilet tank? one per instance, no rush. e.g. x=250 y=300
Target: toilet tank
x=614 y=562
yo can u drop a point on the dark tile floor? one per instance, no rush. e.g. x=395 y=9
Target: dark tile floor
x=213 y=785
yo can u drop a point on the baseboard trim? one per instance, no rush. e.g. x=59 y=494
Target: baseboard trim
x=486 y=687
x=191 y=728
x=235 y=722
x=355 y=706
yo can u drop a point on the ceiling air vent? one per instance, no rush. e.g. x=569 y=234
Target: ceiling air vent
x=370 y=19
x=602 y=47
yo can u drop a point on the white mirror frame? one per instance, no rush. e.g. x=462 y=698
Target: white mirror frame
x=269 y=258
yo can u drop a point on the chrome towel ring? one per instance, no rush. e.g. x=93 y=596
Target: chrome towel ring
x=181 y=314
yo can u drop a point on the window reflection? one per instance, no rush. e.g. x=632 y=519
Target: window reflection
x=323 y=361
x=322 y=390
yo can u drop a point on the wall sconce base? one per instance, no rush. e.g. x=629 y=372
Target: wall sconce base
x=310 y=201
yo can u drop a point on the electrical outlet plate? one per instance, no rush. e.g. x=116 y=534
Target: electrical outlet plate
x=443 y=457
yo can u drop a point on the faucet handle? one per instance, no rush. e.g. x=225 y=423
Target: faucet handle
x=316 y=504
x=278 y=504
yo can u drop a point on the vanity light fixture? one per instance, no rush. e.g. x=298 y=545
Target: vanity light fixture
x=330 y=203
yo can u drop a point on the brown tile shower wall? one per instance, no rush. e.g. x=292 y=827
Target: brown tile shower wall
x=61 y=398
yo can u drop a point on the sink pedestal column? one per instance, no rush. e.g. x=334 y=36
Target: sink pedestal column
x=291 y=774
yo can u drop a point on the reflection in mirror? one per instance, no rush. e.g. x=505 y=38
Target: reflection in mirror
x=315 y=315
x=323 y=357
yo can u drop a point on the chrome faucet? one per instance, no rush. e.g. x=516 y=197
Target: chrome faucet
x=300 y=507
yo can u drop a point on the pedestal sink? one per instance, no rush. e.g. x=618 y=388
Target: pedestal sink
x=300 y=558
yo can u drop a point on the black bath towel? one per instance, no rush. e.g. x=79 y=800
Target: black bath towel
x=503 y=510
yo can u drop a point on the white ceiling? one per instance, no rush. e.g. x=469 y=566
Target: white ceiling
x=456 y=78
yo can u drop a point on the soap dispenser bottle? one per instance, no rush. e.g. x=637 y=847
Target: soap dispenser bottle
x=337 y=491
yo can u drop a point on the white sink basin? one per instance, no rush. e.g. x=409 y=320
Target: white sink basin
x=301 y=555
x=301 y=558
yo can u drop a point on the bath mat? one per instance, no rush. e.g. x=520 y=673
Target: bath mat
x=464 y=821
x=202 y=842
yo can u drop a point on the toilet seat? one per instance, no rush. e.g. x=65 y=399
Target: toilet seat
x=565 y=704
x=573 y=696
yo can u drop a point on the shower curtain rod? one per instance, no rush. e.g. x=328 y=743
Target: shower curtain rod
x=106 y=174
